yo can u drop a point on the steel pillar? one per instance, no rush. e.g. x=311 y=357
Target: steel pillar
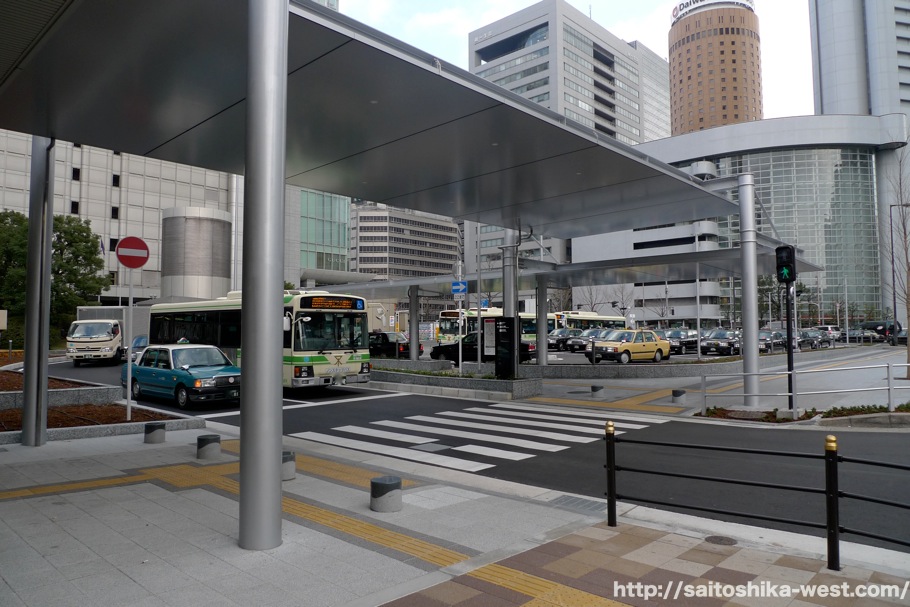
x=38 y=292
x=263 y=280
x=749 y=296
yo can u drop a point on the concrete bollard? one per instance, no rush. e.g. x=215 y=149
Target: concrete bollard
x=154 y=432
x=598 y=392
x=208 y=446
x=679 y=397
x=288 y=465
x=385 y=494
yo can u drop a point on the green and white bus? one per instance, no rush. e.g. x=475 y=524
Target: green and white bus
x=449 y=330
x=325 y=335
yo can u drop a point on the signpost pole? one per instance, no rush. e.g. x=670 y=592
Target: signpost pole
x=133 y=253
x=127 y=335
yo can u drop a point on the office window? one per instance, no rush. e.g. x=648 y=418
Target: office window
x=74 y=207
x=76 y=174
x=115 y=212
x=113 y=244
x=115 y=181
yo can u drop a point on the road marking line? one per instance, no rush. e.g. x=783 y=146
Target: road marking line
x=523 y=422
x=395 y=436
x=601 y=416
x=492 y=438
x=512 y=416
x=397 y=452
x=491 y=452
x=507 y=429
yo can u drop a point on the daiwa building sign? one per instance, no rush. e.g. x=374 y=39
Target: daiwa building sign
x=687 y=6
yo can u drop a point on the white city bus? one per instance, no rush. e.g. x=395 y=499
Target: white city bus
x=325 y=335
x=448 y=323
x=583 y=319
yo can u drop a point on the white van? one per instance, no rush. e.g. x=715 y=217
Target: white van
x=98 y=339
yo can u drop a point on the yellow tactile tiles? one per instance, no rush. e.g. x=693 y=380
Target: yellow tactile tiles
x=541 y=592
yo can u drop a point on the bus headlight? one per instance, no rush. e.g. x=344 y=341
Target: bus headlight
x=364 y=367
x=303 y=371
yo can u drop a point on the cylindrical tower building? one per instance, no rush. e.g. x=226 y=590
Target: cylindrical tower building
x=195 y=252
x=715 y=64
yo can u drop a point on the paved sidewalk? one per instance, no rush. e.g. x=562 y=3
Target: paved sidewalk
x=115 y=521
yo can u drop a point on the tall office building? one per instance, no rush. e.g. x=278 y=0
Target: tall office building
x=861 y=66
x=397 y=244
x=555 y=55
x=715 y=64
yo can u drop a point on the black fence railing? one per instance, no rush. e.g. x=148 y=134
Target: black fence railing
x=831 y=492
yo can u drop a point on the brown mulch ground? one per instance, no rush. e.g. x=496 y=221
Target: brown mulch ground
x=67 y=416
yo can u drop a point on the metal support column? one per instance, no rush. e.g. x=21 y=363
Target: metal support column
x=414 y=322
x=542 y=309
x=263 y=280
x=510 y=284
x=749 y=297
x=38 y=292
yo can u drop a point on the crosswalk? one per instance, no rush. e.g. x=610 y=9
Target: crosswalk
x=479 y=438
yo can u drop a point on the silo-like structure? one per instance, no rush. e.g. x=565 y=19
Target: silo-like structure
x=195 y=253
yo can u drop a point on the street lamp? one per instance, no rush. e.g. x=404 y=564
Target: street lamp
x=893 y=275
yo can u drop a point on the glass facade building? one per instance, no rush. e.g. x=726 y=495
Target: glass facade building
x=324 y=235
x=824 y=202
x=821 y=183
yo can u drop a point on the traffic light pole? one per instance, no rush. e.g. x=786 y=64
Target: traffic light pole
x=786 y=274
x=791 y=396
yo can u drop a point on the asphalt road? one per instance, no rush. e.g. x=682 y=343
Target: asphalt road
x=562 y=448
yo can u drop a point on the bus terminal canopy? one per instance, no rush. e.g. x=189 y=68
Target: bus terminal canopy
x=367 y=115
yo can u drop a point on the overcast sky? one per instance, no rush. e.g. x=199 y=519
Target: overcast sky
x=441 y=27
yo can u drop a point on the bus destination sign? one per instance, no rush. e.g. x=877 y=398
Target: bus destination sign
x=332 y=303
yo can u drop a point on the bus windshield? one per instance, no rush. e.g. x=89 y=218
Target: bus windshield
x=329 y=331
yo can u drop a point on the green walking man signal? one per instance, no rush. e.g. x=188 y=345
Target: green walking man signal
x=786 y=263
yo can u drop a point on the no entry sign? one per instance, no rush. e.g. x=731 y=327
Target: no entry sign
x=132 y=252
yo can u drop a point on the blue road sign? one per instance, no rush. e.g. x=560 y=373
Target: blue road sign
x=460 y=286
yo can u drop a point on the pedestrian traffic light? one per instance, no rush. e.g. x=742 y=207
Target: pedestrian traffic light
x=786 y=263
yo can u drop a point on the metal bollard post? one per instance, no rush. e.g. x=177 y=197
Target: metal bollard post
x=385 y=494
x=288 y=465
x=610 y=437
x=154 y=432
x=208 y=446
x=831 y=504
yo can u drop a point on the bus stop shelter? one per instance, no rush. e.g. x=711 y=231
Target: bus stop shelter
x=290 y=92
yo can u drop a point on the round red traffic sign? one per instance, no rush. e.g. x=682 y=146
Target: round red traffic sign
x=132 y=252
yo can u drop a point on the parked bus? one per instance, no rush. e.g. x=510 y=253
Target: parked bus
x=583 y=319
x=325 y=335
x=448 y=323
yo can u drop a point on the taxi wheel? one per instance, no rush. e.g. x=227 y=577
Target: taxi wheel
x=136 y=390
x=625 y=357
x=182 y=397
x=658 y=355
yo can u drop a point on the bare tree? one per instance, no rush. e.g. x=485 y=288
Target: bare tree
x=660 y=306
x=591 y=297
x=898 y=244
x=560 y=299
x=623 y=295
